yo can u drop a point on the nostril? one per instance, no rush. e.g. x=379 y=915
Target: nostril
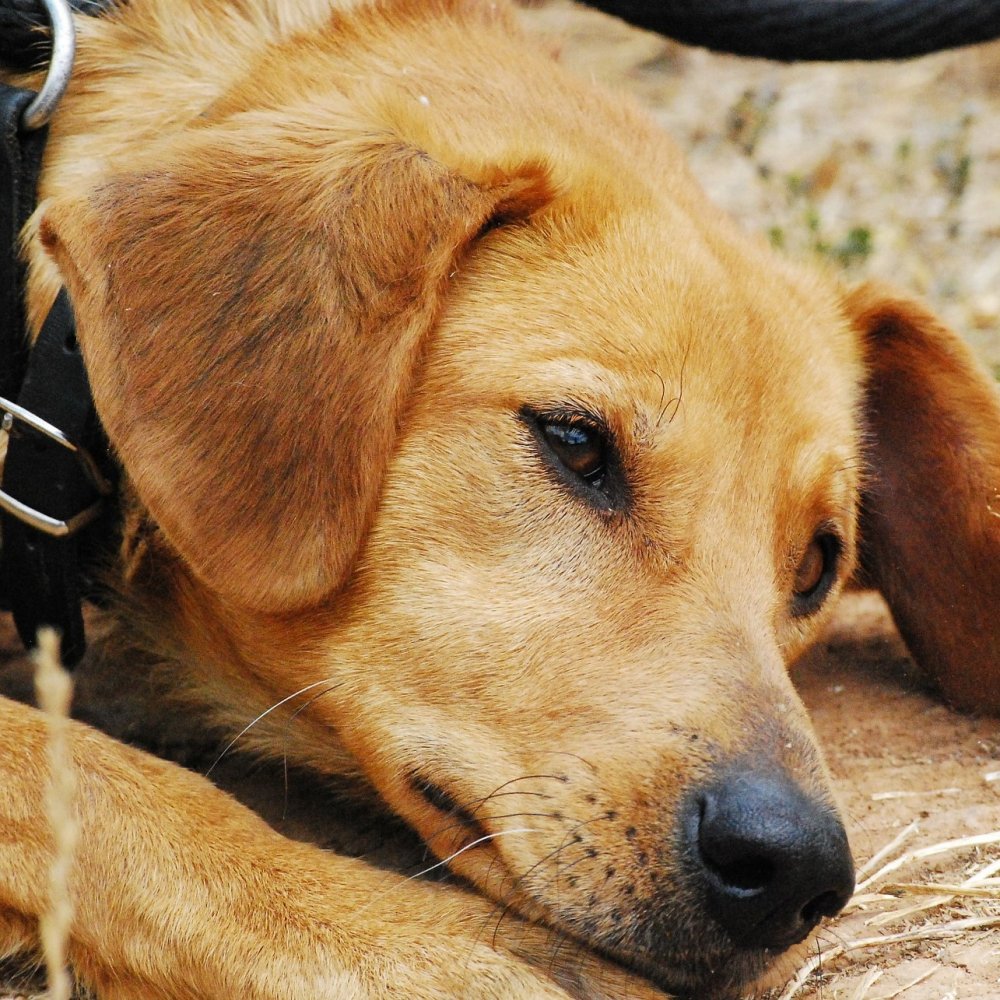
x=747 y=874
x=826 y=904
x=740 y=866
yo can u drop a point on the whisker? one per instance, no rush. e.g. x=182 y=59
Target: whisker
x=516 y=883
x=564 y=844
x=503 y=913
x=561 y=872
x=663 y=393
x=445 y=861
x=576 y=756
x=246 y=729
x=499 y=788
x=679 y=398
x=468 y=847
x=284 y=741
x=472 y=806
x=464 y=826
x=500 y=795
x=561 y=937
x=674 y=401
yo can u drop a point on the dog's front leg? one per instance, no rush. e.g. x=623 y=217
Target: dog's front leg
x=179 y=891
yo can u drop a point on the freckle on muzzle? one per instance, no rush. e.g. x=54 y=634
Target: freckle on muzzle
x=768 y=860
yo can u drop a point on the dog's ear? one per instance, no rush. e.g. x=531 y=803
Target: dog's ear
x=931 y=510
x=252 y=314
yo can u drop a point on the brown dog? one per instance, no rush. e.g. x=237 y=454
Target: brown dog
x=450 y=410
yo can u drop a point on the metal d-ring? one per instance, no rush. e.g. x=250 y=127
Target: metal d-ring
x=38 y=112
x=36 y=519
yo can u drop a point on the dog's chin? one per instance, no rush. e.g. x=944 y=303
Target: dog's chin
x=678 y=956
x=727 y=977
x=723 y=974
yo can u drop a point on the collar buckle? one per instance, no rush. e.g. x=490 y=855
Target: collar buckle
x=52 y=526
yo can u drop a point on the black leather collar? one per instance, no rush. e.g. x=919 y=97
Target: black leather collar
x=24 y=33
x=56 y=525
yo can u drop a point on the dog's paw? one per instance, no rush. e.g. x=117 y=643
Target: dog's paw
x=450 y=969
x=469 y=952
x=462 y=969
x=579 y=972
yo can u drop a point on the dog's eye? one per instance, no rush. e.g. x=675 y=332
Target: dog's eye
x=816 y=572
x=580 y=448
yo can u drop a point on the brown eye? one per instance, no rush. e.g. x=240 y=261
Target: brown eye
x=810 y=571
x=816 y=573
x=580 y=453
x=579 y=448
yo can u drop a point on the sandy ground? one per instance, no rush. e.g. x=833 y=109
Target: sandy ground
x=876 y=170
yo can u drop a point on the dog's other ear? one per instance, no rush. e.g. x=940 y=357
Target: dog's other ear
x=931 y=511
x=252 y=313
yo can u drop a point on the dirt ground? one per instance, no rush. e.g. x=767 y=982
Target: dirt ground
x=891 y=171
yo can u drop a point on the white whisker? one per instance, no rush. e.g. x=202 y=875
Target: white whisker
x=288 y=725
x=469 y=846
x=445 y=861
x=246 y=729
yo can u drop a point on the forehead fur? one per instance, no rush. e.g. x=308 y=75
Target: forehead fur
x=657 y=320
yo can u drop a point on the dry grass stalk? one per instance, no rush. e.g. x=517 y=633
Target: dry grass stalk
x=940 y=895
x=930 y=932
x=865 y=899
x=917 y=794
x=879 y=856
x=871 y=977
x=934 y=888
x=55 y=690
x=959 y=843
x=953 y=928
x=916 y=981
x=975 y=885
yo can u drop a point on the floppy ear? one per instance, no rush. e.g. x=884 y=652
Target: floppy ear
x=251 y=313
x=931 y=514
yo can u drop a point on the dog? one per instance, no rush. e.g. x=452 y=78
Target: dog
x=452 y=416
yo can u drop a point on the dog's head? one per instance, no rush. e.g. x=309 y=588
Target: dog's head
x=465 y=393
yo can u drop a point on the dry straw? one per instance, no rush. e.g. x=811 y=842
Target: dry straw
x=872 y=888
x=55 y=690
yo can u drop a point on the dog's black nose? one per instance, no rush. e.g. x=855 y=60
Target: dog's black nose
x=773 y=860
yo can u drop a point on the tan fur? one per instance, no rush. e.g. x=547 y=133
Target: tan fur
x=320 y=263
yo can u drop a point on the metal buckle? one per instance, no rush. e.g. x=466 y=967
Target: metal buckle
x=35 y=518
x=38 y=112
